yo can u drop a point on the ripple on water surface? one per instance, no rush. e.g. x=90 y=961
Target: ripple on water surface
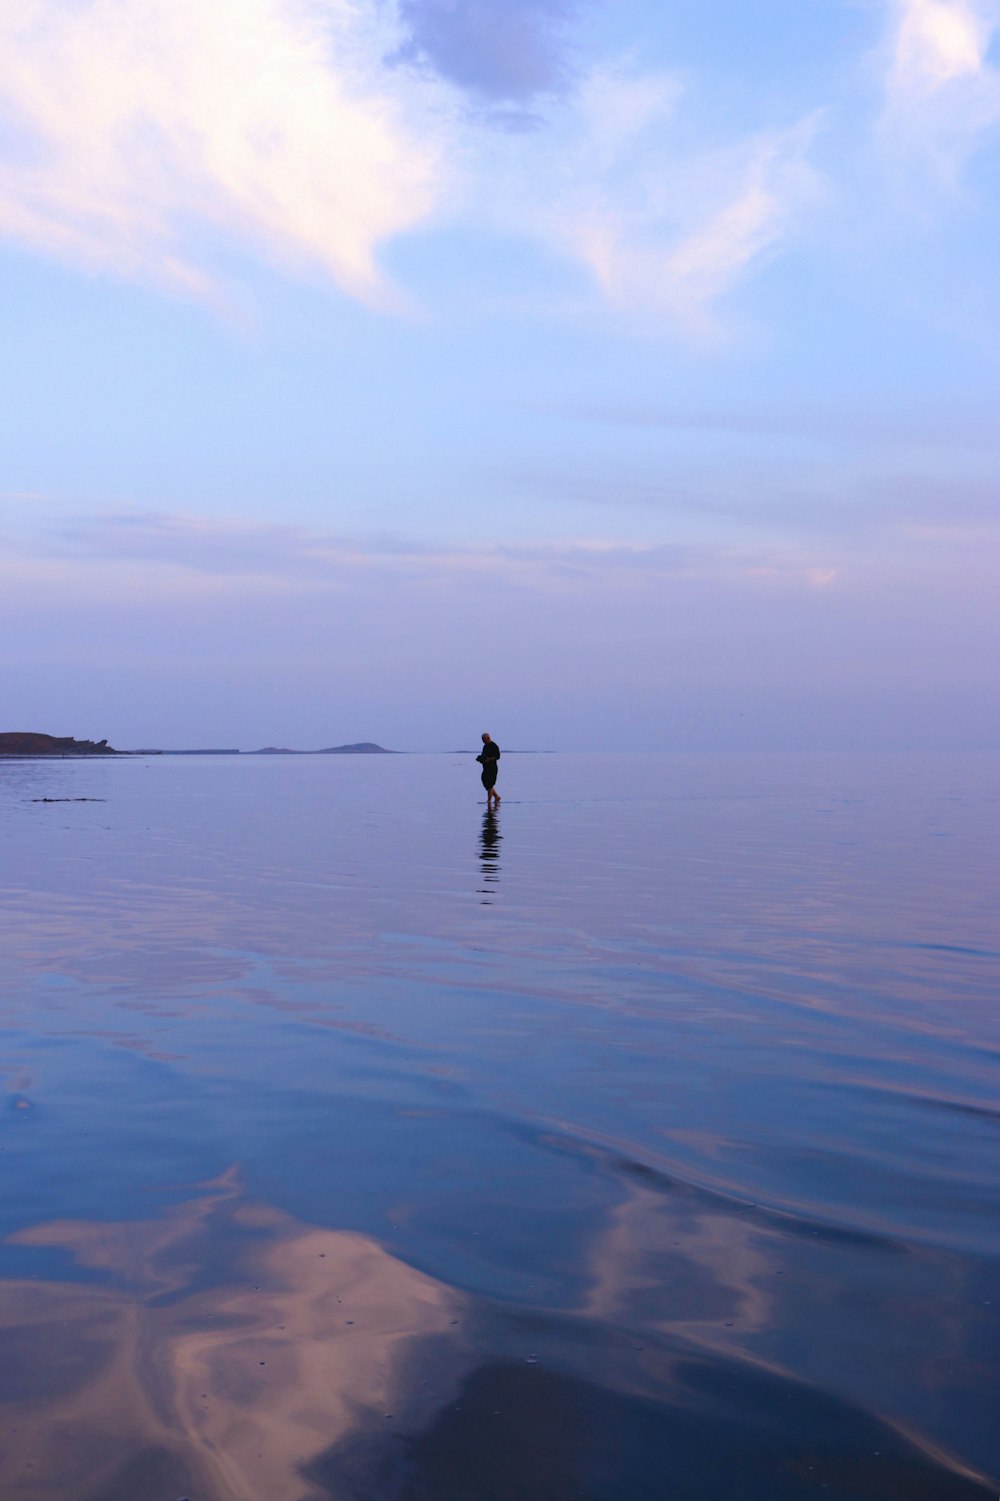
x=637 y=1141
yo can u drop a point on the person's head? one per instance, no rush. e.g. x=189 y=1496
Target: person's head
x=486 y=738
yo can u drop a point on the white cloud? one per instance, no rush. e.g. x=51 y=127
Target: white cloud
x=936 y=42
x=152 y=138
x=941 y=91
x=138 y=129
x=664 y=227
x=642 y=265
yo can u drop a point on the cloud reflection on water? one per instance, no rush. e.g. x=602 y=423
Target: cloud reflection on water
x=228 y=1350
x=225 y=1347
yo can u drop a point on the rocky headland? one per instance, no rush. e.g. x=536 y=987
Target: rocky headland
x=28 y=743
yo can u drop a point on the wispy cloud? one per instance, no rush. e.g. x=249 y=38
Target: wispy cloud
x=639 y=267
x=137 y=129
x=941 y=92
x=665 y=228
x=915 y=426
x=295 y=557
x=792 y=513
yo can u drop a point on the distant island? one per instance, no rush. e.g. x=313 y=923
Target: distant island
x=360 y=748
x=27 y=743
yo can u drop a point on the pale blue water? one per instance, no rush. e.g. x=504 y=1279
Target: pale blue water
x=641 y=1143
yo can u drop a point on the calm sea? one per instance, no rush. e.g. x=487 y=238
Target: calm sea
x=637 y=1144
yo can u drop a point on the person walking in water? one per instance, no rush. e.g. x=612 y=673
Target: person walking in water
x=488 y=761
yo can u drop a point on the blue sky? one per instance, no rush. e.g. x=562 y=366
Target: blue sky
x=606 y=374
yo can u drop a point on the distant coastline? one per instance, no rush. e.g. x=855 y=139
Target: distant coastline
x=360 y=748
x=30 y=745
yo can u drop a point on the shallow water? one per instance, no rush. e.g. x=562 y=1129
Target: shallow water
x=639 y=1143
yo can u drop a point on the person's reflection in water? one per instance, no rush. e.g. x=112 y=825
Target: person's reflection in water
x=490 y=839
